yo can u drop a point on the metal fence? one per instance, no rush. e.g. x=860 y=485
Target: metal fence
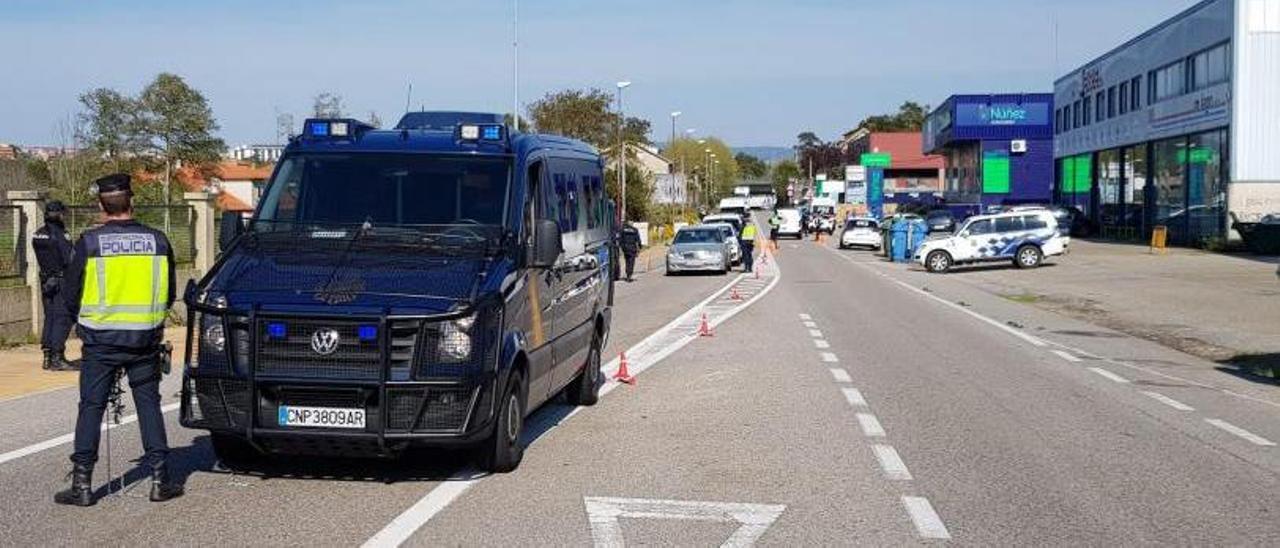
x=178 y=222
x=12 y=250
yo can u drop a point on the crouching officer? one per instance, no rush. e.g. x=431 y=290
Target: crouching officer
x=119 y=288
x=53 y=252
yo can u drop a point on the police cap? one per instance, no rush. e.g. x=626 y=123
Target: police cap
x=55 y=206
x=116 y=182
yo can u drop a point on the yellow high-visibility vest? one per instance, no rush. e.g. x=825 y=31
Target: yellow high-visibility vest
x=749 y=232
x=126 y=291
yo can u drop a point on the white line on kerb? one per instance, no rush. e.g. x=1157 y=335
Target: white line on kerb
x=927 y=522
x=403 y=527
x=854 y=396
x=806 y=317
x=815 y=333
x=1247 y=435
x=1169 y=401
x=68 y=438
x=871 y=427
x=891 y=463
x=820 y=343
x=840 y=375
x=829 y=357
x=1108 y=374
x=1066 y=356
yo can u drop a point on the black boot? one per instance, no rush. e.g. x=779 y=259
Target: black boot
x=58 y=362
x=162 y=488
x=81 y=491
x=47 y=365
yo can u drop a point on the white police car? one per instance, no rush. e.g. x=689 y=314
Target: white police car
x=1024 y=237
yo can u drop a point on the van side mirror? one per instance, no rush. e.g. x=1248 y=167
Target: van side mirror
x=231 y=227
x=546 y=244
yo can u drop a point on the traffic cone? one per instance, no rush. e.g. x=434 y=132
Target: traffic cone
x=757 y=271
x=704 y=329
x=622 y=375
x=764 y=259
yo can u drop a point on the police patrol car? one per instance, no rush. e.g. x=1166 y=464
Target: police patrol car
x=1024 y=237
x=427 y=285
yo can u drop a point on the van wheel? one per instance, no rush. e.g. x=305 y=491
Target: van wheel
x=938 y=262
x=234 y=453
x=585 y=390
x=1029 y=256
x=502 y=452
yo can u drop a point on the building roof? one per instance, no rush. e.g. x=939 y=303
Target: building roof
x=905 y=149
x=196 y=180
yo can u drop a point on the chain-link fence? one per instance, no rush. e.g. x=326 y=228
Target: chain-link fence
x=178 y=222
x=12 y=251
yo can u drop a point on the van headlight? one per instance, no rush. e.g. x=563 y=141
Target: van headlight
x=455 y=340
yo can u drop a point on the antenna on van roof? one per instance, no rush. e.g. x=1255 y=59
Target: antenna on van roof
x=408 y=96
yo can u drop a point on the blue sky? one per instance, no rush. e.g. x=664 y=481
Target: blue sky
x=754 y=72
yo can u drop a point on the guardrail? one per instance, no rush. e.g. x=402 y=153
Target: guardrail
x=178 y=222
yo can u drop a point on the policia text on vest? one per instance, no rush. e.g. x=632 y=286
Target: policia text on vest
x=119 y=287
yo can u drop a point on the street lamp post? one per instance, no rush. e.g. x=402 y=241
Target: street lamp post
x=622 y=151
x=674 y=115
x=689 y=134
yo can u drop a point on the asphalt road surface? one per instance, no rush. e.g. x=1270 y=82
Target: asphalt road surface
x=849 y=401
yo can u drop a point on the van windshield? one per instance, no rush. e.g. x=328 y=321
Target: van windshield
x=385 y=190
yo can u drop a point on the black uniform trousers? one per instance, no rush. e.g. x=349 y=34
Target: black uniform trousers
x=96 y=375
x=748 y=254
x=57 y=322
x=631 y=262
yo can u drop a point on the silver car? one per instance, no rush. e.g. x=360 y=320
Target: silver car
x=730 y=242
x=698 y=248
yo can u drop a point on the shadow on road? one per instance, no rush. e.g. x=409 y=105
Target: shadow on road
x=1260 y=368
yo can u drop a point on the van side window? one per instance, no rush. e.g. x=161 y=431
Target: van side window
x=980 y=227
x=1009 y=224
x=535 y=204
x=1034 y=222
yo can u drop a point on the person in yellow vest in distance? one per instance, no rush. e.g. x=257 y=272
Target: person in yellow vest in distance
x=119 y=287
x=748 y=242
x=774 y=223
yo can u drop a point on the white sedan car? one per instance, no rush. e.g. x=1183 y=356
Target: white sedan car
x=861 y=232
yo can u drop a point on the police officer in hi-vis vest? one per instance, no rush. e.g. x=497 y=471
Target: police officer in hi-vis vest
x=119 y=287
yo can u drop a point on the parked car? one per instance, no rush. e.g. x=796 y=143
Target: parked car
x=698 y=248
x=860 y=232
x=1024 y=237
x=732 y=219
x=789 y=224
x=730 y=242
x=940 y=221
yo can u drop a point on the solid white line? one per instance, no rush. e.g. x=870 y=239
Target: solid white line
x=68 y=438
x=806 y=317
x=927 y=522
x=1169 y=401
x=435 y=500
x=1066 y=356
x=821 y=343
x=871 y=427
x=829 y=357
x=815 y=333
x=811 y=325
x=854 y=396
x=1247 y=435
x=891 y=463
x=1108 y=374
x=840 y=375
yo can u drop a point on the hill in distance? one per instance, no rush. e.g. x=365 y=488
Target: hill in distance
x=767 y=154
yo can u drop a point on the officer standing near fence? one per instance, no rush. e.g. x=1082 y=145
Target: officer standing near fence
x=52 y=247
x=119 y=286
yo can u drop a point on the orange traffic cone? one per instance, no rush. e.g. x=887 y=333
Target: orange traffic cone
x=623 y=375
x=704 y=329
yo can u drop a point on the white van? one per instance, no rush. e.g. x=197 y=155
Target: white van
x=789 y=223
x=1024 y=237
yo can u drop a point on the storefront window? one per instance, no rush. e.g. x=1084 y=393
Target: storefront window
x=1170 y=172
x=1206 y=188
x=1135 y=189
x=1109 y=205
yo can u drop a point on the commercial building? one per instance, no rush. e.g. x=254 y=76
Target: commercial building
x=1177 y=127
x=896 y=170
x=998 y=149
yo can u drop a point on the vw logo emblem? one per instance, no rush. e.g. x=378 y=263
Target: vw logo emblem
x=324 y=341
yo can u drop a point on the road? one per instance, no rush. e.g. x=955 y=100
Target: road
x=842 y=400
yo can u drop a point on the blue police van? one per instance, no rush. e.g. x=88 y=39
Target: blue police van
x=426 y=285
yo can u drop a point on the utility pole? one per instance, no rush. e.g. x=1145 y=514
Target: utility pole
x=515 y=65
x=622 y=150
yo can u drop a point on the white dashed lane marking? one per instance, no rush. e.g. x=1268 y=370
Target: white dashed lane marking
x=926 y=520
x=854 y=396
x=840 y=375
x=806 y=317
x=820 y=343
x=1247 y=435
x=829 y=357
x=891 y=463
x=1169 y=401
x=1108 y=375
x=871 y=427
x=1066 y=356
x=811 y=325
x=815 y=333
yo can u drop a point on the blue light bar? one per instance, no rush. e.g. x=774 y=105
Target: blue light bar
x=368 y=333
x=318 y=129
x=276 y=330
x=491 y=133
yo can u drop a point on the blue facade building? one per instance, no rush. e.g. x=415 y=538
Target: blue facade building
x=998 y=149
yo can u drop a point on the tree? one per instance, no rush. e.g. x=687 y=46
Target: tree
x=580 y=114
x=284 y=127
x=639 y=190
x=816 y=155
x=783 y=174
x=750 y=166
x=113 y=124
x=179 y=124
x=708 y=181
x=327 y=105
x=808 y=139
x=910 y=117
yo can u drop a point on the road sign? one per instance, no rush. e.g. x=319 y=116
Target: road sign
x=855 y=173
x=877 y=159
